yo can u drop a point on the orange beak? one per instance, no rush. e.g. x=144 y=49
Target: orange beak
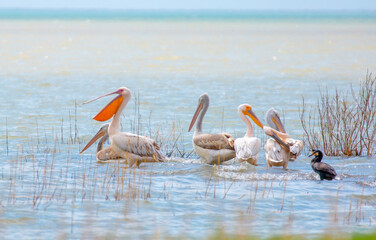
x=253 y=116
x=99 y=134
x=110 y=109
x=198 y=110
x=279 y=140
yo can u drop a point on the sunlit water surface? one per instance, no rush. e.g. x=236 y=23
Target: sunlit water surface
x=49 y=68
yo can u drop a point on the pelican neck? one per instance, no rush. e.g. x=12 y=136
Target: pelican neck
x=249 y=132
x=200 y=119
x=115 y=123
x=101 y=142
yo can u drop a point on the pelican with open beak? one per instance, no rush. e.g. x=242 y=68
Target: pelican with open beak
x=212 y=148
x=134 y=148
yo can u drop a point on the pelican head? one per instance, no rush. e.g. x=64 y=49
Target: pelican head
x=103 y=132
x=111 y=108
x=203 y=101
x=272 y=118
x=246 y=109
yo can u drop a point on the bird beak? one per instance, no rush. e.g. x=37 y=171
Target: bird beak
x=99 y=134
x=313 y=153
x=277 y=122
x=110 y=109
x=275 y=134
x=279 y=140
x=198 y=110
x=253 y=116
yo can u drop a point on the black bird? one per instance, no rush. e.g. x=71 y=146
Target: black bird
x=324 y=170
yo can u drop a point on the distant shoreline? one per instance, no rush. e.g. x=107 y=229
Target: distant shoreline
x=185 y=15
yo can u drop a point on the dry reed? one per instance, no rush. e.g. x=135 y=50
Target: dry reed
x=343 y=124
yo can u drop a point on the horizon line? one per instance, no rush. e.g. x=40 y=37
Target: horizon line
x=191 y=9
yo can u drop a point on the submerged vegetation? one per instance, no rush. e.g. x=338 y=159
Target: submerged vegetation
x=343 y=123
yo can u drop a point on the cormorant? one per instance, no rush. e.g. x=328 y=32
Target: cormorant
x=324 y=170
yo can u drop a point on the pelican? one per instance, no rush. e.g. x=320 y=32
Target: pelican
x=275 y=155
x=279 y=152
x=103 y=155
x=323 y=169
x=295 y=146
x=134 y=148
x=247 y=147
x=212 y=148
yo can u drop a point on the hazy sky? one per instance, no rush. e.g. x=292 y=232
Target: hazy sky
x=195 y=4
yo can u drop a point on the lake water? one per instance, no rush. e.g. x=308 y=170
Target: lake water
x=50 y=65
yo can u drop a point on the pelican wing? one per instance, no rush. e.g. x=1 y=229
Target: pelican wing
x=247 y=147
x=296 y=146
x=215 y=141
x=138 y=145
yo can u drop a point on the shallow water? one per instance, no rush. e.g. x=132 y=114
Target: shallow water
x=49 y=189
